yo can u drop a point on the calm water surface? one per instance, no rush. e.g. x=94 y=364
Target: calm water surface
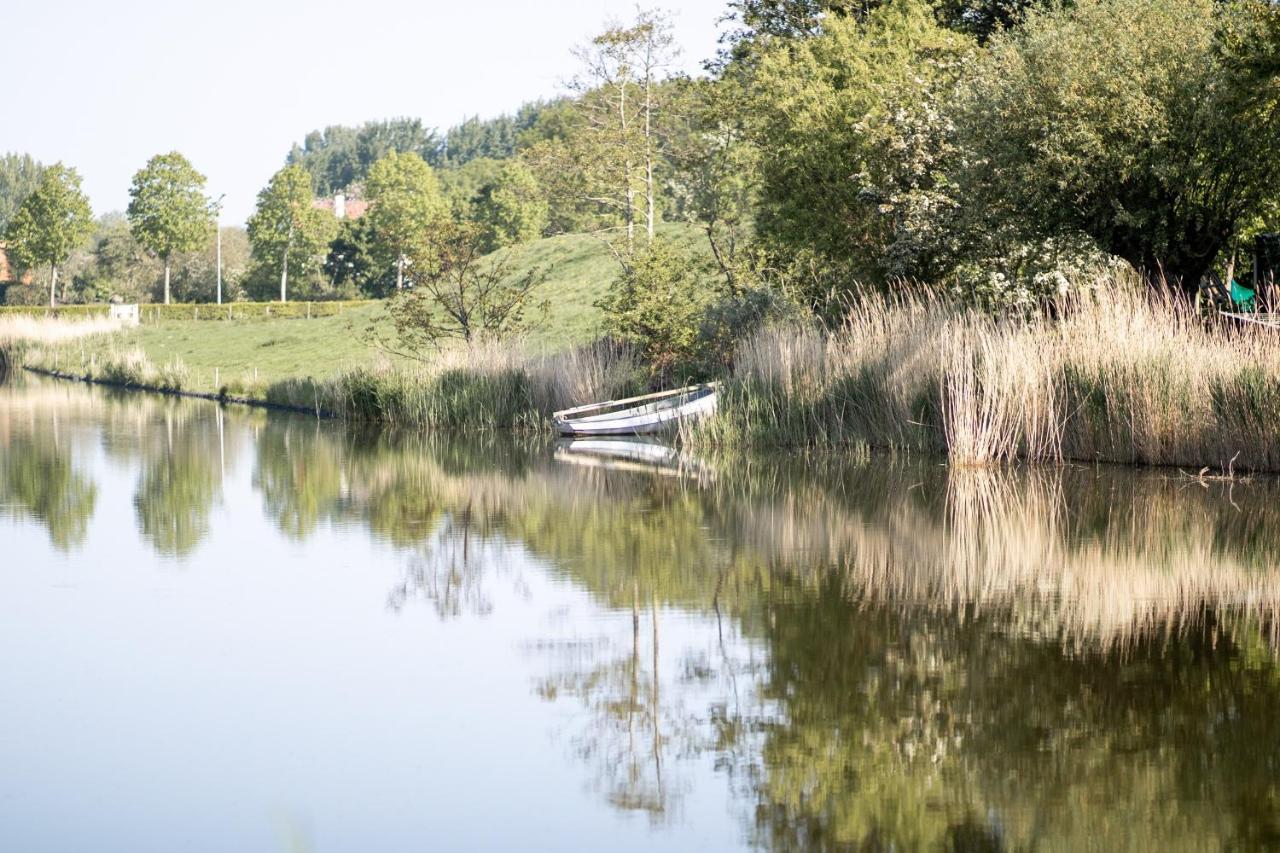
x=225 y=630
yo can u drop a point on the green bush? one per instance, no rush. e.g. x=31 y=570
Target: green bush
x=658 y=303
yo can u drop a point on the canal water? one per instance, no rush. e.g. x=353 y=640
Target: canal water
x=225 y=629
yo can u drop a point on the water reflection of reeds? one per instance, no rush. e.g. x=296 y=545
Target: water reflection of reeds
x=1093 y=557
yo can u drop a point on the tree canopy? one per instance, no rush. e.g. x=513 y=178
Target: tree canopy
x=405 y=201
x=338 y=157
x=287 y=230
x=19 y=176
x=1141 y=123
x=168 y=210
x=52 y=221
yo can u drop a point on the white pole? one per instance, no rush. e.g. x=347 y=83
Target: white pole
x=219 y=263
x=217 y=227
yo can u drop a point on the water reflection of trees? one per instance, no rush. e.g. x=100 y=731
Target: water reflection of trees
x=955 y=660
x=180 y=481
x=916 y=658
x=39 y=480
x=47 y=428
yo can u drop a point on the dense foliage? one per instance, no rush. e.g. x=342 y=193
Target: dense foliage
x=1005 y=150
x=288 y=232
x=168 y=210
x=338 y=157
x=53 y=220
x=19 y=176
x=1140 y=124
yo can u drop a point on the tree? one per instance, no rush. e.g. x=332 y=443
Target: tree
x=287 y=229
x=715 y=180
x=405 y=200
x=195 y=275
x=658 y=303
x=168 y=210
x=19 y=177
x=352 y=261
x=610 y=161
x=762 y=23
x=462 y=186
x=117 y=266
x=51 y=222
x=855 y=142
x=511 y=208
x=1144 y=124
x=495 y=138
x=460 y=292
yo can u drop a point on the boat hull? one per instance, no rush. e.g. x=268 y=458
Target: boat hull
x=652 y=419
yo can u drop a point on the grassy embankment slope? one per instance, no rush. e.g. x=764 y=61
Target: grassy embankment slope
x=255 y=352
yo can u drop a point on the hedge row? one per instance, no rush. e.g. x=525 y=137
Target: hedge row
x=199 y=311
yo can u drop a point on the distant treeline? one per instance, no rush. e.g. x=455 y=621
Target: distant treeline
x=339 y=156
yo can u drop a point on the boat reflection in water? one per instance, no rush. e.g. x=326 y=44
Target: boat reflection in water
x=641 y=454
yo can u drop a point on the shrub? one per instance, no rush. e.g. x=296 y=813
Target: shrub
x=658 y=303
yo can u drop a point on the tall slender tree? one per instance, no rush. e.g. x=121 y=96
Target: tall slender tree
x=609 y=161
x=287 y=229
x=168 y=211
x=53 y=220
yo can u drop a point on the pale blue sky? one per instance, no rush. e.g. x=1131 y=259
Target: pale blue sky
x=232 y=84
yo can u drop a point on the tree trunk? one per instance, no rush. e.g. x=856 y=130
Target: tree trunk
x=648 y=149
x=166 y=281
x=628 y=189
x=284 y=277
x=400 y=272
x=53 y=285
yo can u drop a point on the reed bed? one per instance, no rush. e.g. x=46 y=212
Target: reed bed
x=486 y=386
x=1119 y=374
x=20 y=330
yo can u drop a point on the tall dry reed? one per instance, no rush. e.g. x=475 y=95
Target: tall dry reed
x=24 y=330
x=1121 y=375
x=486 y=386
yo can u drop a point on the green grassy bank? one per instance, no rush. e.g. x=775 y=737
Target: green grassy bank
x=255 y=350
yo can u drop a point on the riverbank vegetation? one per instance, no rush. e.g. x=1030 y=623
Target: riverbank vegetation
x=934 y=227
x=1116 y=374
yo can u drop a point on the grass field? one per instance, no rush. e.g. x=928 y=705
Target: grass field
x=254 y=352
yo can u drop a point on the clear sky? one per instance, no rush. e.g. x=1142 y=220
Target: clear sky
x=232 y=84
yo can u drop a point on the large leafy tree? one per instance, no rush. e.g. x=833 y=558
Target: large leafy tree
x=854 y=141
x=405 y=201
x=19 y=176
x=757 y=24
x=511 y=208
x=168 y=210
x=53 y=220
x=1152 y=126
x=287 y=230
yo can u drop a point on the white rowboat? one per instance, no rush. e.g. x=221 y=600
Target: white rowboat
x=645 y=415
